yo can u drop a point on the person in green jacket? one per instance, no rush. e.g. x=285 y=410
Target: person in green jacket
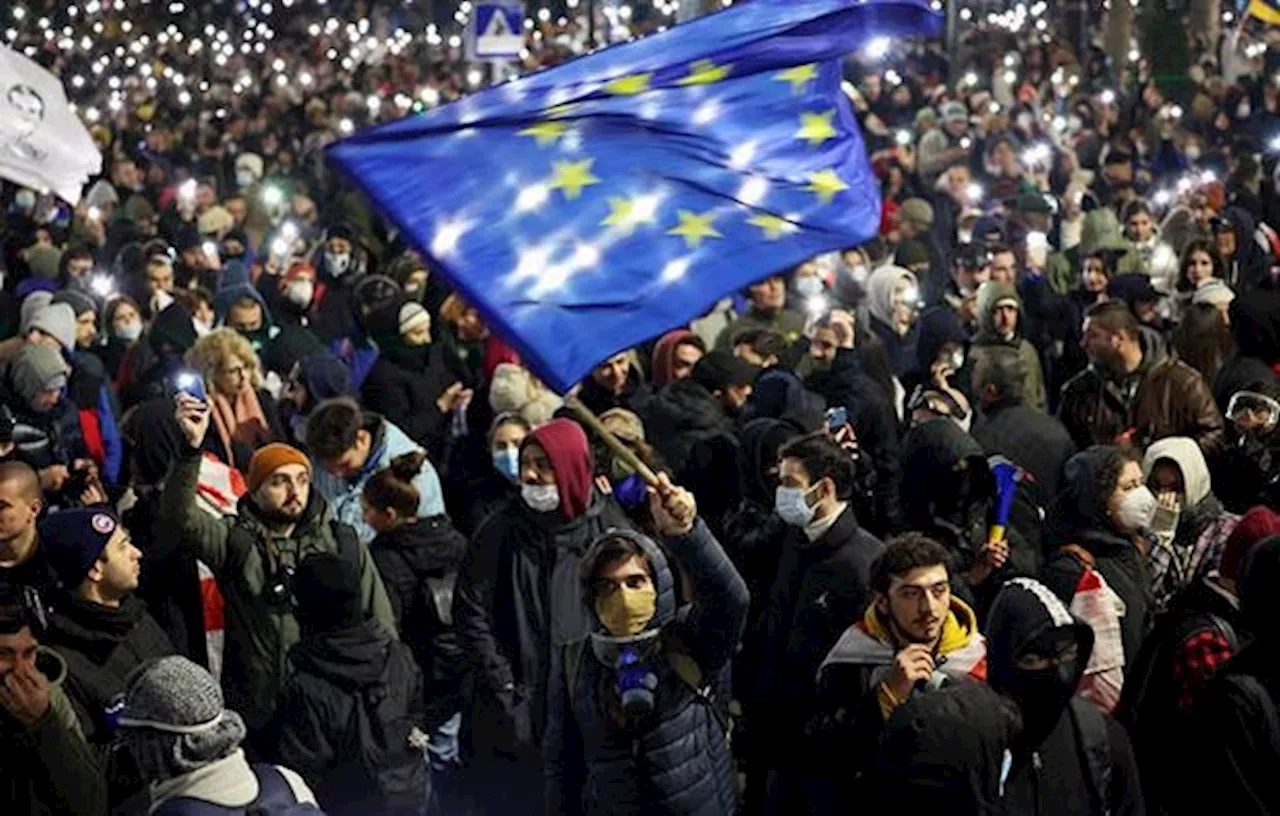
x=48 y=767
x=253 y=556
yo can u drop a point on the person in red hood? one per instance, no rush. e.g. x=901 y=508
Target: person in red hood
x=674 y=356
x=519 y=598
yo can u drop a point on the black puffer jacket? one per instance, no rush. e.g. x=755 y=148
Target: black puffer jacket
x=329 y=673
x=676 y=760
x=419 y=567
x=1061 y=734
x=518 y=599
x=1032 y=439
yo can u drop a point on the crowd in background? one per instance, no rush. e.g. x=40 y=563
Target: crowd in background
x=980 y=515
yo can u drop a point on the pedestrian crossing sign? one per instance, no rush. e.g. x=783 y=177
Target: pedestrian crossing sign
x=497 y=31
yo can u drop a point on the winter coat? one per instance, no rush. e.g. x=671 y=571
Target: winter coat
x=98 y=414
x=328 y=674
x=698 y=442
x=345 y=496
x=677 y=760
x=404 y=384
x=518 y=601
x=1030 y=438
x=1050 y=772
x=784 y=322
x=901 y=348
x=49 y=769
x=820 y=586
x=419 y=565
x=246 y=560
x=286 y=345
x=49 y=438
x=1248 y=268
x=228 y=783
x=872 y=418
x=634 y=397
x=989 y=294
x=1163 y=397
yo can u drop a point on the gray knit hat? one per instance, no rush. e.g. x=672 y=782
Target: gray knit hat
x=174 y=721
x=37 y=368
x=78 y=301
x=57 y=320
x=31 y=304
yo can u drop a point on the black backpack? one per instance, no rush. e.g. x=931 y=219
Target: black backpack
x=386 y=735
x=275 y=798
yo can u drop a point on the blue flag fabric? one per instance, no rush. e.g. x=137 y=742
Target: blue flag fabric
x=592 y=206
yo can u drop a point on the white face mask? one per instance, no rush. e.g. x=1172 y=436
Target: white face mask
x=1243 y=109
x=809 y=286
x=129 y=331
x=1136 y=510
x=300 y=292
x=245 y=178
x=202 y=328
x=160 y=301
x=337 y=262
x=1193 y=152
x=540 y=498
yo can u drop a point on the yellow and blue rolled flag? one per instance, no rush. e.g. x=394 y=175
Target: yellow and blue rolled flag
x=1268 y=11
x=597 y=204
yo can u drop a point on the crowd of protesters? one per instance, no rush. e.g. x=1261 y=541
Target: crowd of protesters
x=979 y=517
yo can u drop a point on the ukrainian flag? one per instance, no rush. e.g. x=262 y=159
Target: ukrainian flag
x=1268 y=11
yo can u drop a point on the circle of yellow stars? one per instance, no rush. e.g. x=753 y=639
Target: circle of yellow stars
x=626 y=214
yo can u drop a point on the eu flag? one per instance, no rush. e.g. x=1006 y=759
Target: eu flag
x=591 y=206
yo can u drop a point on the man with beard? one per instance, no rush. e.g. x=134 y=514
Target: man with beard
x=1068 y=758
x=1134 y=390
x=254 y=556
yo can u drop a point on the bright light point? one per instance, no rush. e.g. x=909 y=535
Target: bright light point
x=532 y=197
x=532 y=263
x=1010 y=77
x=971 y=78
x=902 y=137
x=706 y=113
x=816 y=305
x=1274 y=144
x=1162 y=198
x=974 y=191
x=877 y=48
x=346 y=127
x=754 y=190
x=742 y=155
x=1184 y=184
x=586 y=256
x=474 y=77
x=447 y=237
x=101 y=285
x=675 y=270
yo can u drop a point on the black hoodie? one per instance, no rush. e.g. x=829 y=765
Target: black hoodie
x=419 y=566
x=1068 y=759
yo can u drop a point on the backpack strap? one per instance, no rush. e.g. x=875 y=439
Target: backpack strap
x=690 y=673
x=1095 y=747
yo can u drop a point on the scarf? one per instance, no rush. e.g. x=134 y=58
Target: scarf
x=240 y=421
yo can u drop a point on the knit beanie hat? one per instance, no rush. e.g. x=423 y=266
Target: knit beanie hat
x=413 y=315
x=79 y=302
x=31 y=304
x=44 y=261
x=73 y=540
x=916 y=211
x=327 y=589
x=324 y=376
x=174 y=720
x=57 y=320
x=513 y=390
x=270 y=458
x=37 y=368
x=215 y=221
x=911 y=252
x=1257 y=524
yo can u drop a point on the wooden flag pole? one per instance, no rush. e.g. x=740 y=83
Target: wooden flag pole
x=622 y=451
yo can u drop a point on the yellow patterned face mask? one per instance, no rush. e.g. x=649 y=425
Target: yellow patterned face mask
x=626 y=611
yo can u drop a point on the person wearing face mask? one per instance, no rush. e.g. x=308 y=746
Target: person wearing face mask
x=240 y=306
x=1068 y=758
x=519 y=594
x=1099 y=569
x=915 y=638
x=122 y=325
x=1134 y=390
x=339 y=269
x=295 y=292
x=1000 y=319
x=488 y=489
x=1190 y=525
x=412 y=383
x=1248 y=472
x=893 y=302
x=644 y=675
x=822 y=582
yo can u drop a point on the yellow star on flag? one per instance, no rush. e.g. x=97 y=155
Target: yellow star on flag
x=628 y=213
x=572 y=177
x=546 y=132
x=694 y=227
x=774 y=226
x=816 y=128
x=629 y=85
x=799 y=76
x=705 y=72
x=826 y=184
x=558 y=111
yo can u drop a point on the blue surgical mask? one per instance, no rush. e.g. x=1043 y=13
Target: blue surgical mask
x=790 y=505
x=507 y=462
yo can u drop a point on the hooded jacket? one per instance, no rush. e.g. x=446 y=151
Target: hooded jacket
x=49 y=769
x=1051 y=771
x=345 y=496
x=519 y=598
x=664 y=353
x=1082 y=519
x=1189 y=543
x=419 y=565
x=329 y=673
x=246 y=560
x=901 y=348
x=1030 y=438
x=1247 y=269
x=677 y=760
x=819 y=586
x=1163 y=397
x=990 y=294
